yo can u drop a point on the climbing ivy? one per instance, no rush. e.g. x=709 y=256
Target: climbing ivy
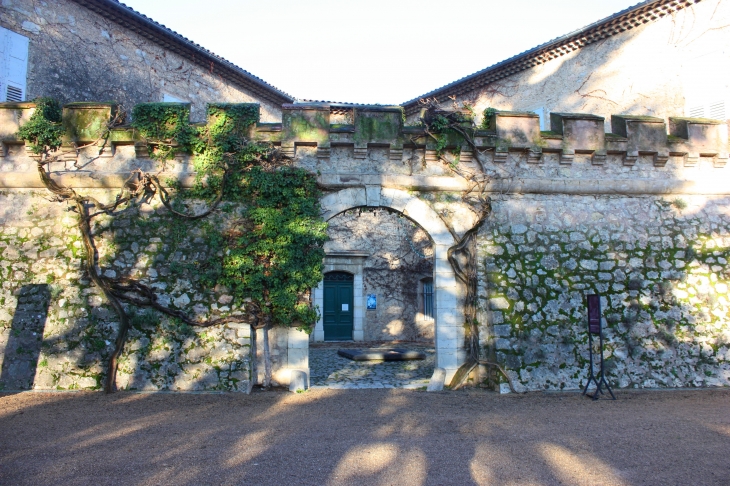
x=276 y=253
x=488 y=118
x=44 y=129
x=165 y=127
x=268 y=253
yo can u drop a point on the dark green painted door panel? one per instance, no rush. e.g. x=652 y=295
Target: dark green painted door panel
x=337 y=315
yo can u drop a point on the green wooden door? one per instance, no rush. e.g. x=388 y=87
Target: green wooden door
x=338 y=312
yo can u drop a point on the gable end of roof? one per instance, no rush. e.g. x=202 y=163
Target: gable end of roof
x=630 y=18
x=172 y=41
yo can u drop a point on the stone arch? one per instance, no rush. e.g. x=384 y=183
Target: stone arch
x=448 y=315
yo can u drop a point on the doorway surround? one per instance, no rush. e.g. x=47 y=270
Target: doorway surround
x=350 y=262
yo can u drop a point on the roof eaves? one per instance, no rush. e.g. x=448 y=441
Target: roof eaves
x=171 y=40
x=627 y=19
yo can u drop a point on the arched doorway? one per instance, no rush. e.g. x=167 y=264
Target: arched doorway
x=445 y=293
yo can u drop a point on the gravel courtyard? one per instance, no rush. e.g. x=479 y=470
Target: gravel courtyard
x=378 y=436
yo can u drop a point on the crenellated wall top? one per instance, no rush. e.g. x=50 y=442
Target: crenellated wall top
x=313 y=132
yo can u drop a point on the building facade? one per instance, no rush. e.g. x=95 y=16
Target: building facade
x=660 y=58
x=629 y=202
x=101 y=50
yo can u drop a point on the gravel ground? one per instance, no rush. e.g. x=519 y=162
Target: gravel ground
x=382 y=436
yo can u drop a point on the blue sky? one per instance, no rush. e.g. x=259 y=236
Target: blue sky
x=374 y=51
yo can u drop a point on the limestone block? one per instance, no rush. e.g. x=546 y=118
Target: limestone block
x=437 y=380
x=337 y=202
x=394 y=198
x=445 y=301
x=441 y=263
x=377 y=125
x=449 y=317
x=297 y=339
x=319 y=334
x=445 y=281
x=518 y=129
x=424 y=215
x=503 y=330
x=372 y=195
x=352 y=197
x=305 y=123
x=645 y=135
x=582 y=134
x=298 y=381
x=12 y=116
x=449 y=360
x=87 y=122
x=446 y=331
x=298 y=358
x=700 y=138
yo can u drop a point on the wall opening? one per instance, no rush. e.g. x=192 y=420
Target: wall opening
x=338 y=309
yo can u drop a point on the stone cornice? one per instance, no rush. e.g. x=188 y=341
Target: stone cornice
x=521 y=185
x=628 y=19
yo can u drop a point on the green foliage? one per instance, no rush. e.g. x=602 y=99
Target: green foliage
x=276 y=254
x=44 y=130
x=271 y=255
x=166 y=127
x=268 y=252
x=442 y=125
x=679 y=203
x=488 y=118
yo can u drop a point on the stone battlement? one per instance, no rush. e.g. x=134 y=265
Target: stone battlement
x=345 y=141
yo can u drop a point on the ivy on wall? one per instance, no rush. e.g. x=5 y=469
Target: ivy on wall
x=265 y=238
x=43 y=131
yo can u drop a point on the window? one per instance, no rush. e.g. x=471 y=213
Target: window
x=715 y=110
x=427 y=298
x=168 y=98
x=13 y=65
x=706 y=87
x=544 y=115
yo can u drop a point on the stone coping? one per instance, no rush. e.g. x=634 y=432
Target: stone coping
x=114 y=180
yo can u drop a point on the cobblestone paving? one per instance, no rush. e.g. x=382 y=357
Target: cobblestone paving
x=329 y=370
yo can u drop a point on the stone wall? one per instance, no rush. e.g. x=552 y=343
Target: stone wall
x=401 y=256
x=78 y=55
x=657 y=69
x=56 y=329
x=659 y=265
x=638 y=216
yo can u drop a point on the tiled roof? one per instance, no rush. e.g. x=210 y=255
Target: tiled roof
x=635 y=16
x=174 y=42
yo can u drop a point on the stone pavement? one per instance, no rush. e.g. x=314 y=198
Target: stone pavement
x=329 y=370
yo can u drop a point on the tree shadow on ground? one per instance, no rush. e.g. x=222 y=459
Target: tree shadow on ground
x=364 y=437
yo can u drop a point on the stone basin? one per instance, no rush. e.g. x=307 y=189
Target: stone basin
x=394 y=354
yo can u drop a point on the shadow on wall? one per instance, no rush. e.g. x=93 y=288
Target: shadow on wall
x=23 y=348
